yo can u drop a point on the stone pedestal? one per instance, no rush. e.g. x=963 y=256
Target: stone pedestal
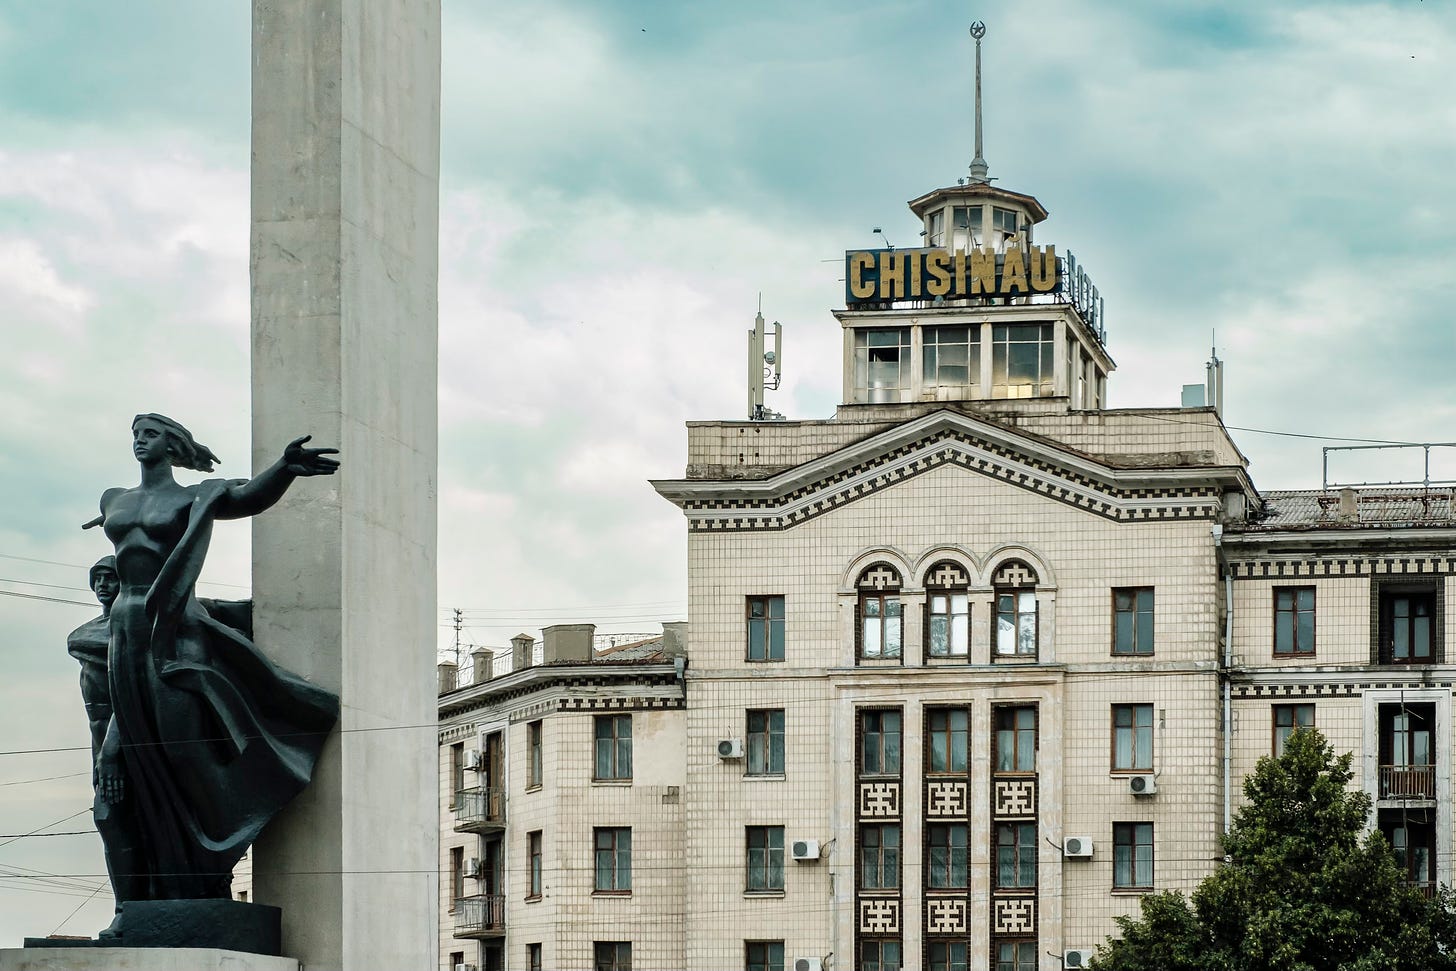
x=345 y=236
x=222 y=925
x=139 y=959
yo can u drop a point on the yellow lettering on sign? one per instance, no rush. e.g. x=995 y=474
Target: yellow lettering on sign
x=914 y=259
x=960 y=272
x=859 y=287
x=1044 y=269
x=1013 y=271
x=983 y=270
x=892 y=271
x=937 y=266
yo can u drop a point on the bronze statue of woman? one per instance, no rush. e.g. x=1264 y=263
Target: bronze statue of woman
x=208 y=739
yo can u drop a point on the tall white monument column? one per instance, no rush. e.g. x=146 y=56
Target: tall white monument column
x=345 y=212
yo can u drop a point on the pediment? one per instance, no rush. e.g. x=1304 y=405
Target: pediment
x=943 y=438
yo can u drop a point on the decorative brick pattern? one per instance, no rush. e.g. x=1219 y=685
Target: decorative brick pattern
x=947 y=576
x=879 y=800
x=947 y=799
x=879 y=915
x=1014 y=798
x=1015 y=574
x=947 y=915
x=1013 y=916
x=879 y=577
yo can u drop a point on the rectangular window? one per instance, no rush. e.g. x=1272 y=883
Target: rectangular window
x=1016 y=623
x=1016 y=956
x=614 y=747
x=879 y=749
x=1021 y=360
x=765 y=857
x=765 y=628
x=952 y=356
x=1132 y=620
x=1003 y=221
x=613 y=859
x=965 y=224
x=879 y=856
x=1288 y=719
x=457 y=770
x=1015 y=856
x=1015 y=739
x=949 y=629
x=935 y=234
x=1408 y=620
x=882 y=363
x=879 y=956
x=946 y=860
x=457 y=875
x=612 y=955
x=1293 y=620
x=766 y=742
x=1132 y=738
x=533 y=957
x=880 y=625
x=533 y=857
x=1132 y=856
x=946 y=955
x=457 y=957
x=535 y=765
x=946 y=730
x=763 y=955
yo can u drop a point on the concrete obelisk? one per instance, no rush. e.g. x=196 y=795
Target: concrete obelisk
x=345 y=213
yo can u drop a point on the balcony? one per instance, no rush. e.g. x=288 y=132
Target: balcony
x=1407 y=782
x=480 y=809
x=480 y=916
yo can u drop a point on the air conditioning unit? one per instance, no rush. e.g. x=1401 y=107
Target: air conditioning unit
x=465 y=967
x=1077 y=847
x=1077 y=958
x=473 y=759
x=474 y=869
x=1142 y=785
x=805 y=850
x=808 y=964
x=730 y=748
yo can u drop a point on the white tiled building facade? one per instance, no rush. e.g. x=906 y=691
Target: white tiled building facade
x=973 y=665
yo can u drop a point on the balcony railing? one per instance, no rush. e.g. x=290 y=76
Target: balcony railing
x=481 y=808
x=1426 y=887
x=483 y=915
x=1407 y=782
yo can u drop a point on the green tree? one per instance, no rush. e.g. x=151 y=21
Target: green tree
x=1303 y=888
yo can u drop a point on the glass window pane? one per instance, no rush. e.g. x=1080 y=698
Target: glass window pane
x=756 y=641
x=1306 y=631
x=1124 y=632
x=1283 y=632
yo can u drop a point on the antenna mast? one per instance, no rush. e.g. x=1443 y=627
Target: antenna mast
x=978 y=164
x=764 y=366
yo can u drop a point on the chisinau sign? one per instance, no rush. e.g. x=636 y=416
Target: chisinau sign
x=924 y=274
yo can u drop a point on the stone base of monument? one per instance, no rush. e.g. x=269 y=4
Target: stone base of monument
x=215 y=925
x=139 y=959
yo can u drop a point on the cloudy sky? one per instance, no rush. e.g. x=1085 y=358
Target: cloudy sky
x=619 y=184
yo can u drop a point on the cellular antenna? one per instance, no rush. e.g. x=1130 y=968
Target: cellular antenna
x=978 y=164
x=764 y=366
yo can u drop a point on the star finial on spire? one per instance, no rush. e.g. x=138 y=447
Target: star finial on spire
x=978 y=164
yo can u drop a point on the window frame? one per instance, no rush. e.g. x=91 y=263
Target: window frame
x=772 y=863
x=766 y=961
x=1016 y=594
x=1018 y=847
x=1135 y=611
x=771 y=628
x=885 y=599
x=618 y=858
x=862 y=748
x=881 y=962
x=619 y=959
x=535 y=758
x=534 y=868
x=1003 y=338
x=533 y=956
x=887 y=858
x=1388 y=623
x=1135 y=708
x=945 y=960
x=763 y=740
x=1122 y=844
x=1277 y=741
x=861 y=361
x=957 y=636
x=457 y=771
x=1023 y=956
x=956 y=857
x=1015 y=731
x=950 y=734
x=1296 y=649
x=617 y=745
x=931 y=365
x=457 y=876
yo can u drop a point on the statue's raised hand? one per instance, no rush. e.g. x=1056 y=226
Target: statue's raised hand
x=309 y=461
x=108 y=779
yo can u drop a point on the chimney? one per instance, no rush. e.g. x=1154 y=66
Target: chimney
x=483 y=659
x=521 y=646
x=675 y=638
x=448 y=672
x=1349 y=511
x=567 y=642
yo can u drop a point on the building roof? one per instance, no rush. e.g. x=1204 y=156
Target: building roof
x=646 y=651
x=1368 y=508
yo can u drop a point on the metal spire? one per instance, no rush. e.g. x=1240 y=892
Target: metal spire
x=978 y=164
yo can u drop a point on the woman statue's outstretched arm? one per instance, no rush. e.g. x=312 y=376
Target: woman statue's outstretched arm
x=252 y=496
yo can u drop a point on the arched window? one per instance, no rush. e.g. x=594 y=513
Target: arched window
x=947 y=610
x=880 y=624
x=1016 y=628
